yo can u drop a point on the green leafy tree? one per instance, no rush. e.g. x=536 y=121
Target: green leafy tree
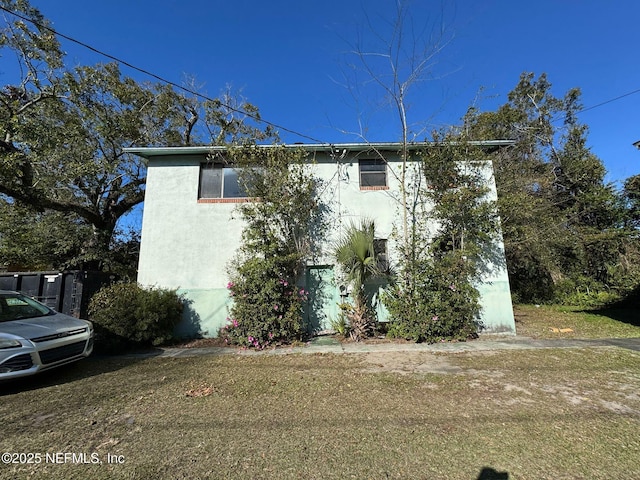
x=62 y=134
x=32 y=240
x=631 y=195
x=561 y=221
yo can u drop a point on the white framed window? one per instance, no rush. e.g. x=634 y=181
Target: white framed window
x=219 y=181
x=373 y=173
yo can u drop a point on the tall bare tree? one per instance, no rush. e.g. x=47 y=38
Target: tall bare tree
x=397 y=59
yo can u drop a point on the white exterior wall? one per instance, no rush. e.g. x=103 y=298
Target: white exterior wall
x=188 y=245
x=185 y=244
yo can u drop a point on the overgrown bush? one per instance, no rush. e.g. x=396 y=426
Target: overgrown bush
x=440 y=303
x=451 y=243
x=127 y=316
x=584 y=292
x=282 y=229
x=268 y=306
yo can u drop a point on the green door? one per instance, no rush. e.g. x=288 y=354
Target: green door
x=323 y=298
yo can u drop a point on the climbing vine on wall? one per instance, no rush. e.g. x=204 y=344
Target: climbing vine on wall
x=452 y=243
x=284 y=224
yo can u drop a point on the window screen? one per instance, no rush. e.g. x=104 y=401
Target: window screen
x=380 y=250
x=231 y=186
x=219 y=181
x=210 y=181
x=373 y=173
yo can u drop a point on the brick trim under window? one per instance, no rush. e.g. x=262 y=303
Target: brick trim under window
x=228 y=200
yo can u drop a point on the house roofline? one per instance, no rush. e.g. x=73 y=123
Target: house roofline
x=147 y=152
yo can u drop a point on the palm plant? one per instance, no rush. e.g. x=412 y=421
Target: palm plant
x=355 y=253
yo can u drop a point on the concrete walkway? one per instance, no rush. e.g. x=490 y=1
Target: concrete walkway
x=331 y=345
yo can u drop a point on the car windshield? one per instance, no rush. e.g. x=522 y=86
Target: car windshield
x=14 y=306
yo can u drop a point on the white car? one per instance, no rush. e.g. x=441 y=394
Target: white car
x=34 y=338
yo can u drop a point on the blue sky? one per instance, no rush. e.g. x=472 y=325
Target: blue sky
x=290 y=57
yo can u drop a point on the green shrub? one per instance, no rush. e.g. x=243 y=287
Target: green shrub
x=340 y=325
x=584 y=292
x=441 y=303
x=127 y=316
x=267 y=305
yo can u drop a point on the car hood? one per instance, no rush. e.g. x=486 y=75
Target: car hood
x=42 y=326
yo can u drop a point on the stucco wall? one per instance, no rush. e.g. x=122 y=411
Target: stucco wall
x=188 y=245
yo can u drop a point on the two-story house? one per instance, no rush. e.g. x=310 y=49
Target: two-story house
x=191 y=229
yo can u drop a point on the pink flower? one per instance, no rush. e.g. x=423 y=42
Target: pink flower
x=235 y=322
x=275 y=307
x=434 y=318
x=452 y=287
x=230 y=285
x=270 y=335
x=250 y=339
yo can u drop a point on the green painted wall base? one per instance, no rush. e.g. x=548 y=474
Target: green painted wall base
x=497 y=310
x=206 y=310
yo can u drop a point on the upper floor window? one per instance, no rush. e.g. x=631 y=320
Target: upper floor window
x=373 y=173
x=219 y=181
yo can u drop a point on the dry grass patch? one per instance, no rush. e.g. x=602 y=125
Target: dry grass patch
x=535 y=414
x=546 y=321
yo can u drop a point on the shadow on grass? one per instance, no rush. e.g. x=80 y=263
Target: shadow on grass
x=89 y=367
x=626 y=310
x=624 y=314
x=489 y=473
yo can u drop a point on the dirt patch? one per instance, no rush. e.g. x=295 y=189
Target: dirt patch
x=514 y=386
x=409 y=362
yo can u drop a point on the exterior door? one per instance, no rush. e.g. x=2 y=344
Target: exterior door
x=323 y=298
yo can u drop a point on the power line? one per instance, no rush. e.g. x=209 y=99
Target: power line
x=609 y=101
x=234 y=109
x=559 y=116
x=161 y=79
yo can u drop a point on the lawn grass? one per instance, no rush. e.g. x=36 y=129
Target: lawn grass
x=546 y=321
x=532 y=414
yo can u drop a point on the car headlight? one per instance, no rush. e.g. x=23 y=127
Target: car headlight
x=9 y=343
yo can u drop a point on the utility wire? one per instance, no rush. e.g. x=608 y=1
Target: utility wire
x=161 y=79
x=560 y=116
x=609 y=101
x=234 y=109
